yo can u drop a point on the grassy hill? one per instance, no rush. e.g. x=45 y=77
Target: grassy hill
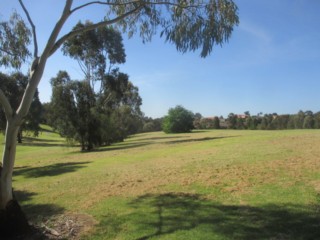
x=219 y=184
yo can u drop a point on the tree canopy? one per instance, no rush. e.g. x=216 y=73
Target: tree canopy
x=178 y=120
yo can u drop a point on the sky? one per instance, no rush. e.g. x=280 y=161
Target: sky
x=270 y=64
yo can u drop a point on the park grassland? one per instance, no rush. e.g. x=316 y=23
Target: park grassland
x=217 y=184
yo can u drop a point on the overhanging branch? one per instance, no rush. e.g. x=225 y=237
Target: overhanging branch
x=7 y=52
x=35 y=42
x=90 y=27
x=109 y=3
x=102 y=3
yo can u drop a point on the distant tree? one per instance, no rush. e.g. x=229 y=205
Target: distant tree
x=308 y=122
x=275 y=123
x=264 y=123
x=197 y=120
x=63 y=114
x=299 y=119
x=291 y=122
x=78 y=113
x=45 y=113
x=239 y=124
x=232 y=121
x=206 y=123
x=250 y=123
x=216 y=123
x=247 y=114
x=178 y=120
x=152 y=125
x=148 y=126
x=283 y=121
x=317 y=120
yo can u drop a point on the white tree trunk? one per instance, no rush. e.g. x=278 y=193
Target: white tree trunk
x=8 y=163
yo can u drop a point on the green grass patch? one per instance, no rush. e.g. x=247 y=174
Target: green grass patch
x=219 y=184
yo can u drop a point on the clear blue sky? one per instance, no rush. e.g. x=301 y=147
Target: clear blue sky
x=270 y=64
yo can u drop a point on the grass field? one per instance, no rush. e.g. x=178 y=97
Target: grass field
x=219 y=184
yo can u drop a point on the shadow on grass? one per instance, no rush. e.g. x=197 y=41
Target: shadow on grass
x=180 y=213
x=39 y=211
x=130 y=145
x=36 y=140
x=163 y=138
x=122 y=146
x=50 y=170
x=197 y=139
x=39 y=142
x=36 y=212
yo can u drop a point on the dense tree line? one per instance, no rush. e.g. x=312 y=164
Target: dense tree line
x=200 y=122
x=152 y=125
x=301 y=120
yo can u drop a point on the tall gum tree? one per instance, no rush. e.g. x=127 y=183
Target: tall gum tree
x=188 y=24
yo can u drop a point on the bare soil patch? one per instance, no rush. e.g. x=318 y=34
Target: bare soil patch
x=66 y=226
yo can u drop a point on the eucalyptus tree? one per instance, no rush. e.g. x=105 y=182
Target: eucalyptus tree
x=188 y=24
x=95 y=50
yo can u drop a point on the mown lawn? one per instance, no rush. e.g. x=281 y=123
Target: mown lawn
x=219 y=184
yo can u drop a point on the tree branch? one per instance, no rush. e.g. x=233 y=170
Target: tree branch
x=136 y=1
x=36 y=74
x=35 y=42
x=6 y=52
x=103 y=3
x=6 y=105
x=90 y=27
x=55 y=32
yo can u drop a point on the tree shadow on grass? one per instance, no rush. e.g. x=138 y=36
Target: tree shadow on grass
x=40 y=142
x=197 y=139
x=45 y=144
x=36 y=212
x=163 y=138
x=122 y=146
x=36 y=139
x=160 y=215
x=50 y=170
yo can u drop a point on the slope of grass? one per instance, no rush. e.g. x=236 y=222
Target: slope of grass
x=219 y=184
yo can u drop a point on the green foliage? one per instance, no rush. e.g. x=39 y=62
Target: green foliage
x=206 y=123
x=13 y=86
x=301 y=120
x=152 y=125
x=94 y=49
x=189 y=25
x=232 y=121
x=178 y=120
x=91 y=117
x=14 y=40
x=94 y=119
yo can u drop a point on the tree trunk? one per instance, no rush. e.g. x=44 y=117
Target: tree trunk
x=8 y=163
x=12 y=220
x=19 y=137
